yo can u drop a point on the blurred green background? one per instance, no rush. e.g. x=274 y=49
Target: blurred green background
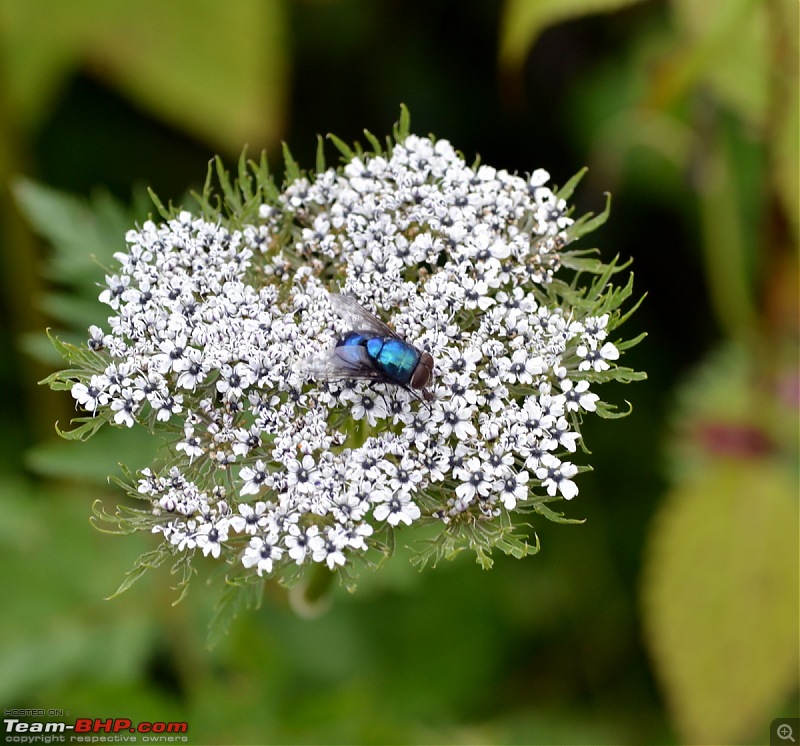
x=671 y=615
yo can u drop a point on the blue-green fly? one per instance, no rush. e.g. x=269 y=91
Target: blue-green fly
x=373 y=351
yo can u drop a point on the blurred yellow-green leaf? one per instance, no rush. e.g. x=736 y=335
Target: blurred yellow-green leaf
x=524 y=20
x=216 y=70
x=727 y=47
x=785 y=129
x=719 y=592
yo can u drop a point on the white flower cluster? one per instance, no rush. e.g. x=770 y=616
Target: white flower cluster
x=211 y=326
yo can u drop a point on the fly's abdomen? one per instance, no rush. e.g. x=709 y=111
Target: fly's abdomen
x=394 y=357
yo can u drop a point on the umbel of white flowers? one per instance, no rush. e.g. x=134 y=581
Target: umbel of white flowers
x=272 y=468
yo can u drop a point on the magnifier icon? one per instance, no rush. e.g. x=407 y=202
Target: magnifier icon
x=785 y=733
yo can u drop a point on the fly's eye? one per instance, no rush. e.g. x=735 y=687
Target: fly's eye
x=422 y=373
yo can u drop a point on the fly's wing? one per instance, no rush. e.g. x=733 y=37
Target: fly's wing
x=358 y=318
x=342 y=362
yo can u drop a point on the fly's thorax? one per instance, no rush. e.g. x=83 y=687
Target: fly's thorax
x=395 y=358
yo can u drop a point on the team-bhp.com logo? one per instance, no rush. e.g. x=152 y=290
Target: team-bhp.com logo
x=93 y=730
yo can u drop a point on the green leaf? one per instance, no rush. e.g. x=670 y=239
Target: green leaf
x=82 y=232
x=207 y=200
x=719 y=595
x=291 y=169
x=727 y=48
x=621 y=374
x=377 y=148
x=570 y=260
x=244 y=179
x=320 y=165
x=622 y=346
x=555 y=516
x=586 y=223
x=66 y=350
x=36 y=653
x=84 y=431
x=785 y=116
x=148 y=561
x=266 y=184
x=82 y=360
x=518 y=547
x=73 y=310
x=609 y=411
x=234 y=598
x=347 y=152
x=164 y=212
x=523 y=21
x=403 y=126
x=230 y=192
x=625 y=316
x=94 y=460
x=215 y=70
x=566 y=191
